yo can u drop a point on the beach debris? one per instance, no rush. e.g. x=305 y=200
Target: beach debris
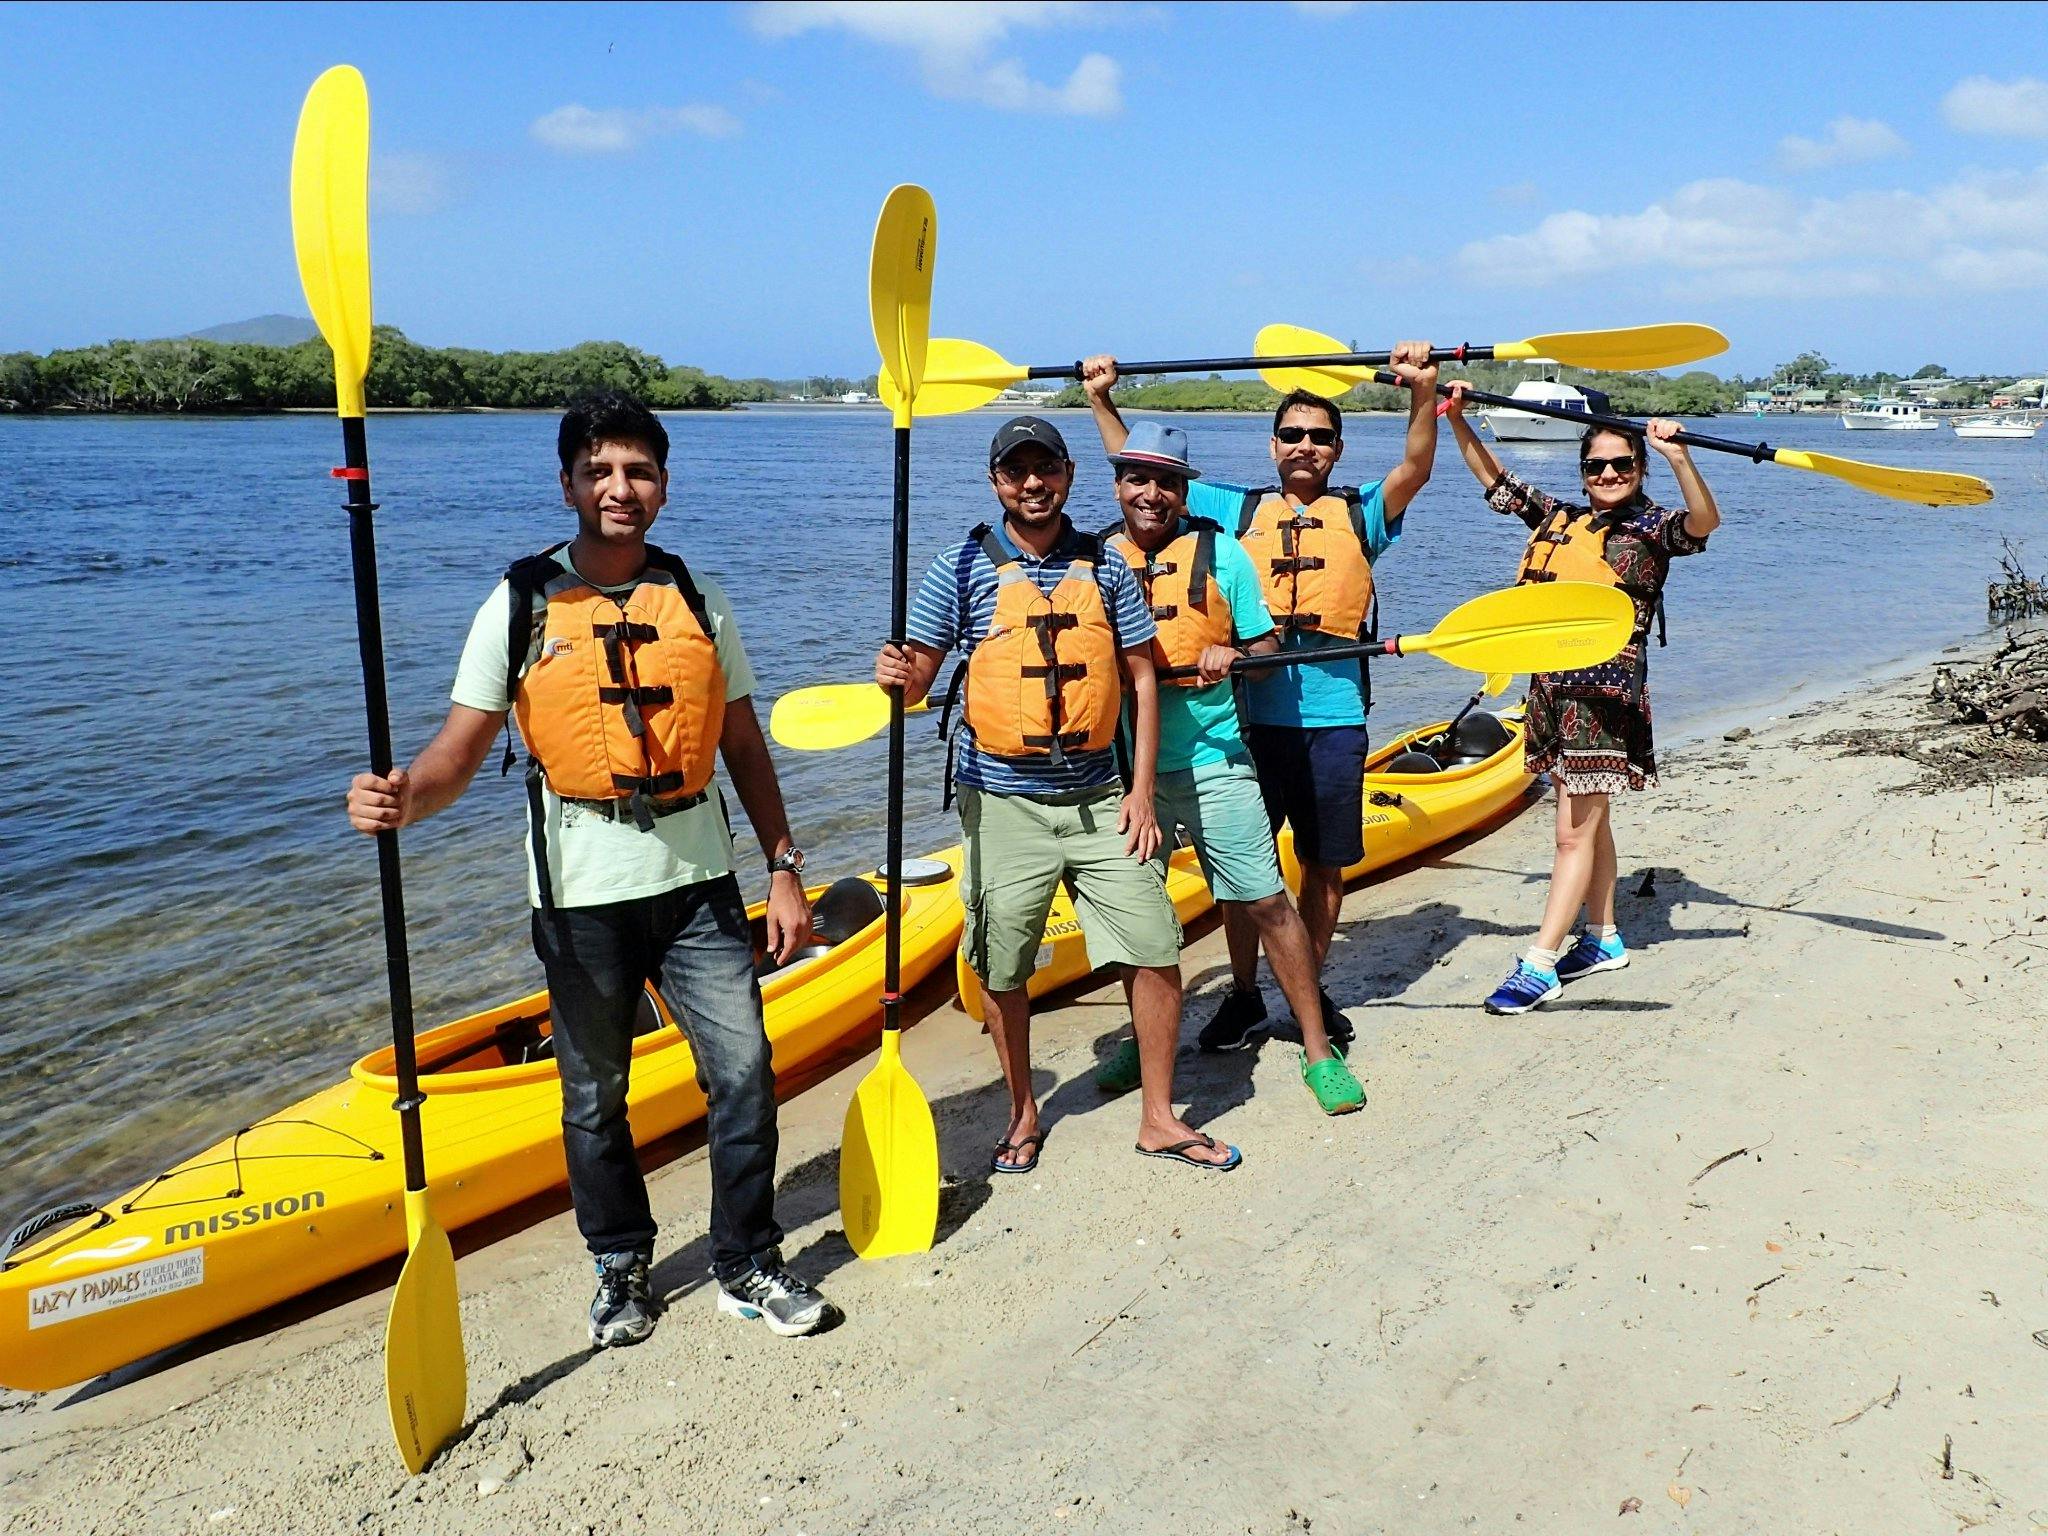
x=1630 y=1506
x=1678 y=1494
x=1729 y=1157
x=486 y=1486
x=1948 y=1458
x=1740 y=733
x=1649 y=885
x=1882 y=1400
x=2041 y=1337
x=2014 y=595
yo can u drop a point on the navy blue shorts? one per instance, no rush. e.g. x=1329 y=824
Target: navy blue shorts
x=1313 y=777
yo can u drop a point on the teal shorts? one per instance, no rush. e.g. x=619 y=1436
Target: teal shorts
x=1225 y=816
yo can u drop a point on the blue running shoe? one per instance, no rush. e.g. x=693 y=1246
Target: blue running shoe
x=1524 y=989
x=1590 y=955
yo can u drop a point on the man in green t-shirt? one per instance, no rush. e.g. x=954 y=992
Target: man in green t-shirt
x=616 y=657
x=1205 y=599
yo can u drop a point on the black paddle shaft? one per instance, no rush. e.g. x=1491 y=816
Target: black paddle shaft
x=1267 y=660
x=899 y=618
x=362 y=548
x=1759 y=452
x=1459 y=354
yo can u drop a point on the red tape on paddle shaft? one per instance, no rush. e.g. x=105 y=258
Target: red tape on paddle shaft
x=350 y=474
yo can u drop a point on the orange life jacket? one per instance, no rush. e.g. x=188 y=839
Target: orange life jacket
x=1181 y=589
x=1571 y=545
x=1044 y=681
x=1312 y=564
x=623 y=703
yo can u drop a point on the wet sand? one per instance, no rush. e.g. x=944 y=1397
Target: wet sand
x=1747 y=1237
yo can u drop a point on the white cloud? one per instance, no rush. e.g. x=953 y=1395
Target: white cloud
x=2010 y=109
x=411 y=183
x=956 y=48
x=1848 y=141
x=1982 y=231
x=578 y=130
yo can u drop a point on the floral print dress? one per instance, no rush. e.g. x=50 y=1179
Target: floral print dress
x=1590 y=729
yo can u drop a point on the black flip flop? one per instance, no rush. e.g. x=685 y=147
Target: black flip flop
x=1036 y=1142
x=1178 y=1153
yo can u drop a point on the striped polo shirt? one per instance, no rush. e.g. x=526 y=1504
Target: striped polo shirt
x=939 y=619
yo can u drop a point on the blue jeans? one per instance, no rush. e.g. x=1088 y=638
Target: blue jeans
x=694 y=943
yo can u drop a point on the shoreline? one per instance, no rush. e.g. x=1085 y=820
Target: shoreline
x=1529 y=1213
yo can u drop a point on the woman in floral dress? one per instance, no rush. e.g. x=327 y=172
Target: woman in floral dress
x=1590 y=729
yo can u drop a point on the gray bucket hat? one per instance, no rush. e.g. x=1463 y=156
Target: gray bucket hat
x=1155 y=445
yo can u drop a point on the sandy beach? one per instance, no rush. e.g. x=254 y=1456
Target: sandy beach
x=1747 y=1237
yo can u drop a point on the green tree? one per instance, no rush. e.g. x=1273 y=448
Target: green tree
x=1805 y=371
x=1930 y=371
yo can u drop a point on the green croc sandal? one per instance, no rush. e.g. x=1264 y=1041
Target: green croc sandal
x=1337 y=1091
x=1120 y=1074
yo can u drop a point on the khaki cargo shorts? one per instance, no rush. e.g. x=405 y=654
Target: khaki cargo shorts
x=1019 y=851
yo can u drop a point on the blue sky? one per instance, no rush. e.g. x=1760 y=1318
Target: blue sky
x=1161 y=179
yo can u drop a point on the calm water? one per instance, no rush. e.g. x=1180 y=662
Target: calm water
x=191 y=929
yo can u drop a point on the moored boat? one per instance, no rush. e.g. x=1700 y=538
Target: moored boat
x=2009 y=426
x=1888 y=415
x=314 y=1192
x=1512 y=426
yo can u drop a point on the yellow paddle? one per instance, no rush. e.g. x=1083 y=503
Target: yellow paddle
x=1927 y=487
x=889 y=1156
x=1626 y=350
x=1552 y=626
x=961 y=375
x=833 y=715
x=1543 y=628
x=425 y=1377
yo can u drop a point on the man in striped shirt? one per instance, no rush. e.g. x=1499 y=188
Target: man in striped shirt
x=1051 y=809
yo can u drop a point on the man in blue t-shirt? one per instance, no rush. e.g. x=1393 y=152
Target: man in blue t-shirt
x=1313 y=546
x=1050 y=620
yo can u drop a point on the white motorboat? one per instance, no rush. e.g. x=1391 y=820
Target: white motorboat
x=1996 y=426
x=1512 y=426
x=1888 y=415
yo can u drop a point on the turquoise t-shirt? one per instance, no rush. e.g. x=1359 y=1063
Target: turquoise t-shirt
x=1199 y=725
x=1308 y=695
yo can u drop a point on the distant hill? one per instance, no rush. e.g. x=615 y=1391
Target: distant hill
x=263 y=331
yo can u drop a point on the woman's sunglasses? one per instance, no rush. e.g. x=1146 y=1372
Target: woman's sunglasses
x=1322 y=437
x=1621 y=464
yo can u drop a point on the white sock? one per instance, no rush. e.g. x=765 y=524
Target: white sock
x=1604 y=932
x=1540 y=958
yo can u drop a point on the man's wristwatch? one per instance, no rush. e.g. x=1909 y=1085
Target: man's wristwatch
x=791 y=859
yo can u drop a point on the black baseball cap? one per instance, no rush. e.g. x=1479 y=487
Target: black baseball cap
x=1019 y=430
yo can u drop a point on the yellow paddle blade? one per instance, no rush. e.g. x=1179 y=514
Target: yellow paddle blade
x=1929 y=487
x=900 y=289
x=331 y=223
x=1296 y=341
x=1496 y=681
x=1549 y=627
x=958 y=376
x=1625 y=351
x=832 y=715
x=426 y=1380
x=889 y=1162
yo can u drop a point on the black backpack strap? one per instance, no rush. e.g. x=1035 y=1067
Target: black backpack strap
x=672 y=566
x=1090 y=549
x=1354 y=508
x=1253 y=500
x=527 y=578
x=1203 y=564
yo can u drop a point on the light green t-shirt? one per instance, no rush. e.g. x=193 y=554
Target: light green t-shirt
x=590 y=860
x=1199 y=725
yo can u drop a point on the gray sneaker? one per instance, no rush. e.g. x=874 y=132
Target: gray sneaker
x=784 y=1301
x=624 y=1310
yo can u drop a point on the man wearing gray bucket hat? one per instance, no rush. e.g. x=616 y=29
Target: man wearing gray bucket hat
x=1314 y=545
x=1205 y=600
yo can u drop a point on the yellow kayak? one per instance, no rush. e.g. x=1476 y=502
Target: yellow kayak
x=315 y=1192
x=1404 y=814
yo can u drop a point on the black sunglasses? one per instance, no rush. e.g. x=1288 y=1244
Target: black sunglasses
x=1621 y=464
x=1322 y=437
